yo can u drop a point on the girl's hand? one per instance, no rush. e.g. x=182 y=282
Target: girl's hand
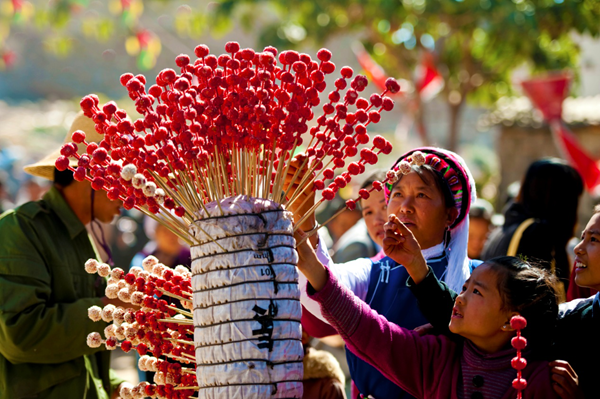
x=400 y=245
x=308 y=263
x=566 y=381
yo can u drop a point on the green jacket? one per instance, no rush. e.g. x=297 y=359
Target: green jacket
x=44 y=296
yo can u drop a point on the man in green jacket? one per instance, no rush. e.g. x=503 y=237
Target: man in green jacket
x=45 y=291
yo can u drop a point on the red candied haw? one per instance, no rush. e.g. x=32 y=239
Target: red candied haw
x=328 y=194
x=179 y=211
x=266 y=58
x=340 y=84
x=126 y=77
x=519 y=384
x=62 y=163
x=374 y=116
x=387 y=149
x=141 y=78
x=392 y=85
x=377 y=185
x=328 y=67
x=168 y=75
x=109 y=108
x=334 y=96
x=100 y=155
x=68 y=149
x=299 y=67
x=518 y=363
x=379 y=142
x=364 y=193
x=362 y=103
x=361 y=116
x=126 y=346
x=201 y=51
x=519 y=343
x=347 y=72
x=324 y=55
x=84 y=160
x=518 y=322
x=328 y=173
x=317 y=76
x=351 y=151
x=79 y=174
x=339 y=162
x=134 y=85
x=388 y=104
x=319 y=184
x=97 y=183
x=130 y=278
x=232 y=47
x=340 y=181
x=353 y=168
x=113 y=194
x=155 y=91
x=351 y=204
x=150 y=390
x=142 y=349
x=376 y=100
x=182 y=60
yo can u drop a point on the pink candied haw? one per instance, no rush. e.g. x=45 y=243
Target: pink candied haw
x=518 y=322
x=519 y=384
x=392 y=85
x=364 y=193
x=519 y=343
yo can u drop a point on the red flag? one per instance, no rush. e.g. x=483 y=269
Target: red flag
x=428 y=80
x=547 y=94
x=373 y=70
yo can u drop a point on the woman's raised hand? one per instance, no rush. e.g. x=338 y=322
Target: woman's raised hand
x=308 y=263
x=400 y=245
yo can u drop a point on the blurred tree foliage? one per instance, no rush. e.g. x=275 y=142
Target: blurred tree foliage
x=477 y=43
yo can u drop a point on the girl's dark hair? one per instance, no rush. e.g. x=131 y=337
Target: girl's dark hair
x=550 y=191
x=64 y=178
x=431 y=176
x=530 y=291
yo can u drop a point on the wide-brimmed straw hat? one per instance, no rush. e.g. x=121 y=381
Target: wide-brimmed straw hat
x=45 y=167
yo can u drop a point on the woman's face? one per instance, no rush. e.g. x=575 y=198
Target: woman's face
x=420 y=206
x=374 y=211
x=587 y=255
x=478 y=313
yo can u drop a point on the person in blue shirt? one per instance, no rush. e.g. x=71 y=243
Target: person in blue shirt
x=431 y=192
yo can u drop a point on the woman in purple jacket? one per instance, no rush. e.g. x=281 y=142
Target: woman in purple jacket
x=437 y=366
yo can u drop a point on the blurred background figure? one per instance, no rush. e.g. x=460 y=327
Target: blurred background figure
x=32 y=189
x=163 y=244
x=323 y=377
x=365 y=238
x=5 y=202
x=541 y=220
x=480 y=223
x=339 y=225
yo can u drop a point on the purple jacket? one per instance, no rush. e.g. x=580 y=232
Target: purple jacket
x=429 y=366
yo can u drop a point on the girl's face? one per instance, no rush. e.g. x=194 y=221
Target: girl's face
x=420 y=206
x=478 y=313
x=374 y=211
x=587 y=255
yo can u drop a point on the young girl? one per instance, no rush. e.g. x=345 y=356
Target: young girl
x=436 y=366
x=432 y=196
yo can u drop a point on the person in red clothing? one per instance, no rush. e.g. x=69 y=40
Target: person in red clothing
x=437 y=366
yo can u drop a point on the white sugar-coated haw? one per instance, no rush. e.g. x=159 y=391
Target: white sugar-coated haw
x=135 y=270
x=94 y=313
x=418 y=158
x=391 y=176
x=109 y=331
x=404 y=167
x=117 y=273
x=120 y=332
x=149 y=262
x=122 y=284
x=159 y=378
x=137 y=392
x=107 y=312
x=94 y=340
x=103 y=270
x=138 y=181
x=137 y=298
x=91 y=266
x=142 y=363
x=124 y=295
x=128 y=172
x=125 y=392
x=119 y=316
x=159 y=196
x=149 y=189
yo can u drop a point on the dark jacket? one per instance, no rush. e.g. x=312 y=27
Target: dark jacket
x=539 y=242
x=44 y=296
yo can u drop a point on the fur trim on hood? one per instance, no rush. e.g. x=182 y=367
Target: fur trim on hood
x=322 y=364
